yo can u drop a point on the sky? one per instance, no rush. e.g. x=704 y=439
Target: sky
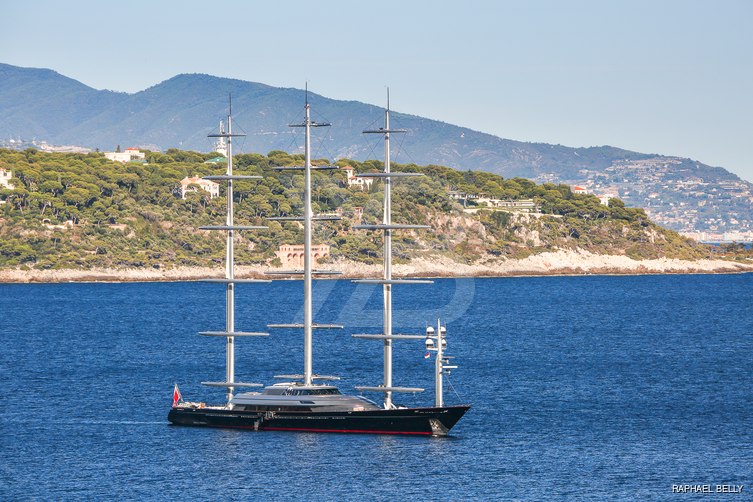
x=673 y=77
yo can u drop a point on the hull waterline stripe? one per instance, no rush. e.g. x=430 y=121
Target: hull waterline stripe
x=306 y=429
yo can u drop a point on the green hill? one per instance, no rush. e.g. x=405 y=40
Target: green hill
x=84 y=211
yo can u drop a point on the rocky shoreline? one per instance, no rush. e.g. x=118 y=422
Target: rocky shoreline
x=553 y=263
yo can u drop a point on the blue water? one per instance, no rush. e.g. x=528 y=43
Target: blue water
x=583 y=388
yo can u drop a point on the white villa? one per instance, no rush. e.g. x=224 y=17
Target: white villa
x=522 y=205
x=206 y=185
x=604 y=199
x=355 y=181
x=579 y=190
x=129 y=155
x=5 y=177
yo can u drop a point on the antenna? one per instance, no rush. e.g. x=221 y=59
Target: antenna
x=388 y=98
x=230 y=103
x=307 y=93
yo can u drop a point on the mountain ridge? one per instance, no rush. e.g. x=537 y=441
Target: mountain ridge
x=179 y=113
x=198 y=86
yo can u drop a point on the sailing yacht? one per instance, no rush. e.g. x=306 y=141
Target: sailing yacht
x=300 y=402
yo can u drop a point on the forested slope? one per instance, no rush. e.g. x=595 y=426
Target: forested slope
x=84 y=211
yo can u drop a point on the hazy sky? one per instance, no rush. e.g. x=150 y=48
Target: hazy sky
x=659 y=76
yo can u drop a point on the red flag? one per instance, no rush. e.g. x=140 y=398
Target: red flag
x=176 y=396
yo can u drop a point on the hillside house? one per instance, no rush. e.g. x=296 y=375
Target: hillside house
x=355 y=181
x=206 y=185
x=604 y=199
x=291 y=255
x=129 y=155
x=5 y=177
x=522 y=205
x=461 y=197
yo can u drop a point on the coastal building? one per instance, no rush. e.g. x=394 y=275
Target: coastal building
x=129 y=155
x=578 y=190
x=721 y=238
x=522 y=205
x=5 y=177
x=483 y=201
x=354 y=181
x=194 y=183
x=604 y=199
x=461 y=197
x=46 y=147
x=291 y=255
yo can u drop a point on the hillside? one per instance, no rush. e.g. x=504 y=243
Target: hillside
x=75 y=211
x=179 y=112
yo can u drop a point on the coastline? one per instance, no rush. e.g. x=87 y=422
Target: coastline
x=556 y=263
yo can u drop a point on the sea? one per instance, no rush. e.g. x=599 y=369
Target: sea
x=582 y=388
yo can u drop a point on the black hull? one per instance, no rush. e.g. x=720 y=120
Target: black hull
x=414 y=421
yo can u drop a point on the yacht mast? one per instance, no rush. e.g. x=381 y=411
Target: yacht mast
x=230 y=227
x=387 y=287
x=307 y=301
x=230 y=263
x=387 y=281
x=308 y=325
